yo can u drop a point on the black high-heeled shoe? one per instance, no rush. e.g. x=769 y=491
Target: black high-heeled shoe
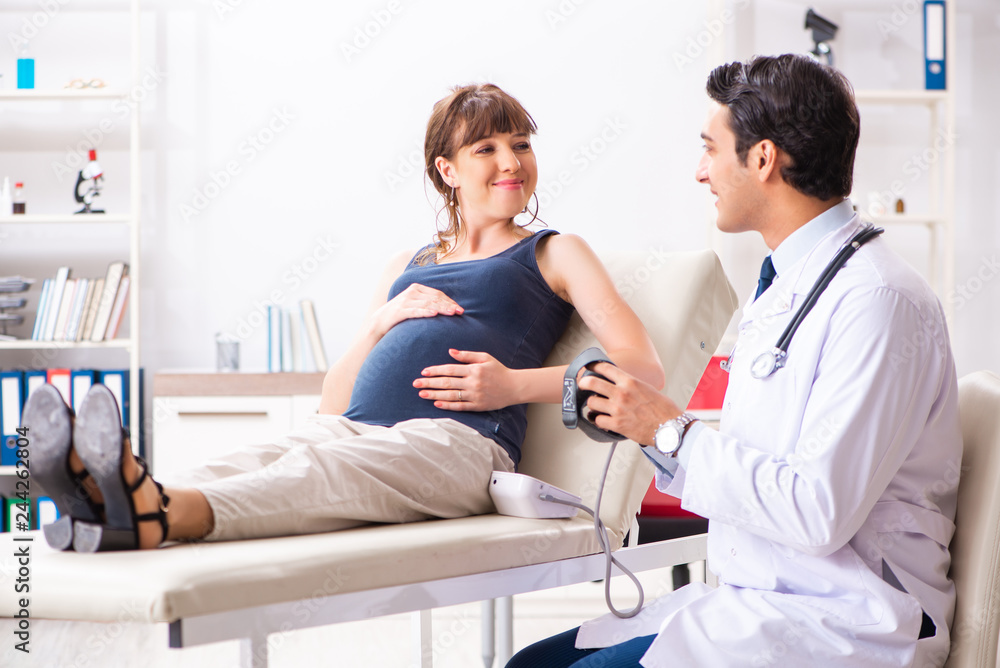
x=100 y=443
x=50 y=426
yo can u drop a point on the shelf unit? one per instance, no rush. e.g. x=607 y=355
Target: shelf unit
x=9 y=99
x=939 y=219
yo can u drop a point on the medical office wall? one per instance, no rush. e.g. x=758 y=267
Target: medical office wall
x=281 y=145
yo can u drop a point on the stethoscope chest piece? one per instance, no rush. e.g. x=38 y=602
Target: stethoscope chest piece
x=768 y=362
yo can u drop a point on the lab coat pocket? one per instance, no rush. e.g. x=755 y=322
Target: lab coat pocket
x=840 y=585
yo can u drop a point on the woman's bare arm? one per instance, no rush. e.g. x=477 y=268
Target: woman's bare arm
x=575 y=273
x=417 y=301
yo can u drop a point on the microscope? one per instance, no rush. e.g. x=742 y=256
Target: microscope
x=93 y=174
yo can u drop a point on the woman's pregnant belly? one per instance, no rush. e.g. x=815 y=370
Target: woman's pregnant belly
x=383 y=391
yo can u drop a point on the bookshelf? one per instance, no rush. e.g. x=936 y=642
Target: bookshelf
x=15 y=103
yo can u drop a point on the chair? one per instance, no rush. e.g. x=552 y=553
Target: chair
x=246 y=590
x=975 y=547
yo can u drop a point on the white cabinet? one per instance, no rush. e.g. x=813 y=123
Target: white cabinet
x=200 y=416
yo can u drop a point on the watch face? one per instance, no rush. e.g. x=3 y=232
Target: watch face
x=667 y=439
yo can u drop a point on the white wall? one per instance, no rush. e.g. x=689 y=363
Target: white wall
x=338 y=117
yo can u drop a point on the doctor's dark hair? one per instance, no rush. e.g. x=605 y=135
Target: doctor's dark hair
x=468 y=114
x=806 y=108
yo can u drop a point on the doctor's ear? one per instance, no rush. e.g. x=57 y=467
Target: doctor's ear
x=766 y=158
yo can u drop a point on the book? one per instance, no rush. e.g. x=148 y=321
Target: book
x=308 y=363
x=76 y=312
x=294 y=338
x=273 y=339
x=55 y=299
x=312 y=328
x=65 y=306
x=40 y=310
x=118 y=309
x=287 y=362
x=88 y=320
x=116 y=270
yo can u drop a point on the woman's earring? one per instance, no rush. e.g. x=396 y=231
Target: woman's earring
x=453 y=200
x=534 y=216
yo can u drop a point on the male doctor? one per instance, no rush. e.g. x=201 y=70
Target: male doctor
x=830 y=486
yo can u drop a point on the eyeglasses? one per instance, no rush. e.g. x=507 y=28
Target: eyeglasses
x=80 y=84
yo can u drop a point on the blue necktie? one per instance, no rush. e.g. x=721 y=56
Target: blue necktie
x=767 y=274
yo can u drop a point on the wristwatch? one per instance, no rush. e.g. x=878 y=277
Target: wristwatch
x=670 y=435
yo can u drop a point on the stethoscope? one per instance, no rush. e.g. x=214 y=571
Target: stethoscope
x=771 y=360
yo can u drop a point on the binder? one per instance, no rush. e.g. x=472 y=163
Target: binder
x=117 y=380
x=60 y=379
x=934 y=45
x=80 y=380
x=47 y=511
x=34 y=379
x=11 y=396
x=13 y=515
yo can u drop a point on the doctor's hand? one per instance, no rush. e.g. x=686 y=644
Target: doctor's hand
x=479 y=383
x=632 y=408
x=416 y=301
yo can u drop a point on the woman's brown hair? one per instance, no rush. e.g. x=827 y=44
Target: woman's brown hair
x=467 y=115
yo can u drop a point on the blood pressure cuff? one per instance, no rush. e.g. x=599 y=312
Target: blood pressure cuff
x=575 y=400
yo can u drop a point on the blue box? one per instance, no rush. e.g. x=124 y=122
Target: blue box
x=25 y=72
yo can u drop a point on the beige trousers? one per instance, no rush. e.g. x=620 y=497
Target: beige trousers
x=335 y=473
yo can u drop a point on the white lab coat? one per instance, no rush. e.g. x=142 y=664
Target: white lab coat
x=834 y=470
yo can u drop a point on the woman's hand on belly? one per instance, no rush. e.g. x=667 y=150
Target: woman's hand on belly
x=479 y=383
x=416 y=301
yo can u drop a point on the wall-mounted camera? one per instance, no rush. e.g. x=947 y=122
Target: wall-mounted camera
x=823 y=30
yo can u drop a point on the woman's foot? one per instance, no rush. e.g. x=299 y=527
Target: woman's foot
x=48 y=424
x=134 y=506
x=147 y=499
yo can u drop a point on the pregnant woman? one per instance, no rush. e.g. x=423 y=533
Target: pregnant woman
x=428 y=400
